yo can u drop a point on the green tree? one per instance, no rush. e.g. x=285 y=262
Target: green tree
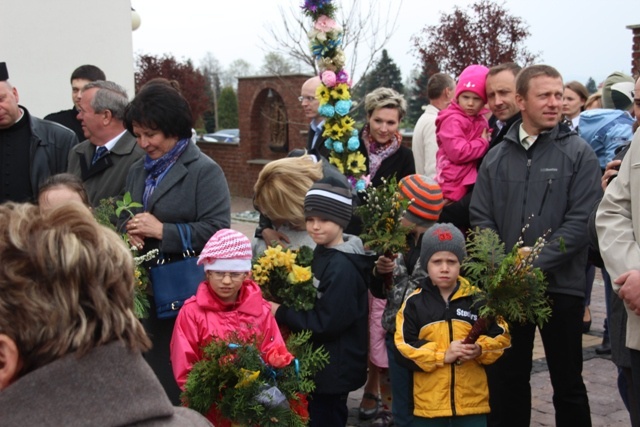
x=385 y=73
x=228 y=108
x=591 y=86
x=484 y=33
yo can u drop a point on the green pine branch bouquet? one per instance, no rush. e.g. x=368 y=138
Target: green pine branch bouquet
x=507 y=284
x=381 y=215
x=107 y=210
x=250 y=389
x=285 y=276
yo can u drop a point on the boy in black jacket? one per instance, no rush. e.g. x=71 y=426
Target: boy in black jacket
x=339 y=318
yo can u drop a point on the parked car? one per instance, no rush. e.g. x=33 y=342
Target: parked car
x=223 y=135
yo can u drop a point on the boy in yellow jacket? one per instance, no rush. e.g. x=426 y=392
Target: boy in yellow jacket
x=450 y=385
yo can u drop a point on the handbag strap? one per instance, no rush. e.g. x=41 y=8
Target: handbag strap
x=185 y=236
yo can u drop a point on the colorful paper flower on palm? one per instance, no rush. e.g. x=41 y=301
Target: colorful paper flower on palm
x=325 y=41
x=285 y=276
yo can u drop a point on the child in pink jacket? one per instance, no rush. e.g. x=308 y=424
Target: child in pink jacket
x=228 y=301
x=462 y=132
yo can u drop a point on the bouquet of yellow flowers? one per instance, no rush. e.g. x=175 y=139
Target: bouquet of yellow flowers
x=507 y=284
x=235 y=382
x=285 y=276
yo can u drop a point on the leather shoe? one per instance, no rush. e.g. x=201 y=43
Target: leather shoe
x=605 y=347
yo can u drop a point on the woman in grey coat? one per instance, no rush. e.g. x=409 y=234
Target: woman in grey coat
x=176 y=184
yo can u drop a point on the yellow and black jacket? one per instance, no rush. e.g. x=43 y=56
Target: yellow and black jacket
x=425 y=326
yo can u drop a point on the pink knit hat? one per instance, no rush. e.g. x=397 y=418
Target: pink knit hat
x=472 y=79
x=227 y=250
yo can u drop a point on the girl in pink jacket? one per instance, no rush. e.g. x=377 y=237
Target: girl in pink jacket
x=462 y=132
x=227 y=301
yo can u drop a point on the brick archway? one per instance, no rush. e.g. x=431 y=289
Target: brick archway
x=271 y=123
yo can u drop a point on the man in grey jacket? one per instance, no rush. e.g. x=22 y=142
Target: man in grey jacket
x=104 y=159
x=545 y=177
x=31 y=149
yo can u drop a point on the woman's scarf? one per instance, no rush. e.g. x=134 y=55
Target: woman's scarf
x=378 y=152
x=158 y=168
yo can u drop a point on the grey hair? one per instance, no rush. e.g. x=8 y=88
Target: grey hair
x=384 y=97
x=110 y=96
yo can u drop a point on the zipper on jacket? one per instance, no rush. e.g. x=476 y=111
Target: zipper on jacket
x=526 y=189
x=544 y=196
x=453 y=368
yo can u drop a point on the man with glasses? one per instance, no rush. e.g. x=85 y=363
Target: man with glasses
x=310 y=105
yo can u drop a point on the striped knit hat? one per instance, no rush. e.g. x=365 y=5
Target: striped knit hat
x=227 y=250
x=329 y=199
x=426 y=199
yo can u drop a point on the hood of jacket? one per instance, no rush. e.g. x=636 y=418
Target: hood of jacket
x=353 y=250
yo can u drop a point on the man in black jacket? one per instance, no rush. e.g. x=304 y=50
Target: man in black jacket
x=31 y=149
x=543 y=179
x=79 y=78
x=315 y=141
x=501 y=97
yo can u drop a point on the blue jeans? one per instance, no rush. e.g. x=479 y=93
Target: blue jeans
x=401 y=386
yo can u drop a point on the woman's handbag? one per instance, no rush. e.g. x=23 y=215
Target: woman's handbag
x=175 y=282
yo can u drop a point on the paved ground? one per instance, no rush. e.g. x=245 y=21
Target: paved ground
x=599 y=372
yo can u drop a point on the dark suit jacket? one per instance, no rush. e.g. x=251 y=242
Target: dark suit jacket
x=107 y=177
x=319 y=149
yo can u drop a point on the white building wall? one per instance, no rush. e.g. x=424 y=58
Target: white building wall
x=43 y=41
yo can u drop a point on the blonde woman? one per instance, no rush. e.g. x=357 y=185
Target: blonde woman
x=279 y=197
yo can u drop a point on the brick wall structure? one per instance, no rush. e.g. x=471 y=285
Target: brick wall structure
x=271 y=123
x=635 y=50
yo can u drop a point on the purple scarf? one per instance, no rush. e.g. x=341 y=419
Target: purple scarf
x=158 y=168
x=378 y=152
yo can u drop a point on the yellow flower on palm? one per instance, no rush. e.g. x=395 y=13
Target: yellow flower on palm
x=337 y=131
x=347 y=124
x=335 y=161
x=340 y=91
x=299 y=274
x=323 y=94
x=247 y=377
x=356 y=163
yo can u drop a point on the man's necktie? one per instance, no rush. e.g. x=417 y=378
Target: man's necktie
x=100 y=152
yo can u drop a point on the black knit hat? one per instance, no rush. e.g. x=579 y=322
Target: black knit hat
x=329 y=199
x=4 y=73
x=442 y=237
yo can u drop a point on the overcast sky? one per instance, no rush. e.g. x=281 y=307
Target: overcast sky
x=581 y=39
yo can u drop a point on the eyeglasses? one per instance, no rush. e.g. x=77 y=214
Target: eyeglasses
x=220 y=275
x=306 y=98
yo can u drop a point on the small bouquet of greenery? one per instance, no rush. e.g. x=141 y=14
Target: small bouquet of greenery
x=252 y=389
x=381 y=215
x=107 y=210
x=285 y=276
x=507 y=284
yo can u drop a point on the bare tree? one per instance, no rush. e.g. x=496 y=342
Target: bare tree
x=237 y=68
x=368 y=26
x=212 y=70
